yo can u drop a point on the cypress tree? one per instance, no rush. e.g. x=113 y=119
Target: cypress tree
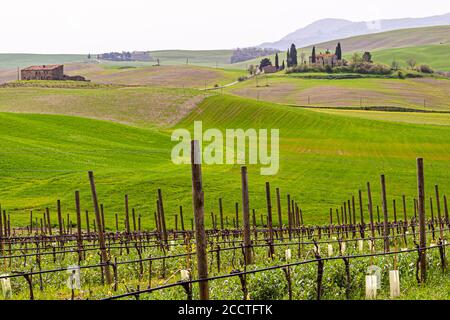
x=313 y=55
x=339 y=51
x=288 y=59
x=282 y=65
x=277 y=62
x=293 y=55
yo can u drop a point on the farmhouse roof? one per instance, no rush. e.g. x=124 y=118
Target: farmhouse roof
x=43 y=67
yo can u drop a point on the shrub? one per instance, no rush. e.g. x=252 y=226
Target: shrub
x=425 y=69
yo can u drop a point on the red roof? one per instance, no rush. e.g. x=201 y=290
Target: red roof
x=43 y=67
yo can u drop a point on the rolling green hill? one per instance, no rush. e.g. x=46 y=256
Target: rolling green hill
x=45 y=158
x=437 y=56
x=423 y=94
x=392 y=39
x=137 y=106
x=208 y=58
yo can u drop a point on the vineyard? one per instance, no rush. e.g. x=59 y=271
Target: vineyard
x=359 y=254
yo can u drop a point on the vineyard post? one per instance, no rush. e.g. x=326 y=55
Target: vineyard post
x=405 y=217
x=269 y=218
x=361 y=213
x=127 y=216
x=47 y=211
x=162 y=217
x=369 y=198
x=79 y=235
x=246 y=216
x=199 y=215
x=31 y=221
x=438 y=207
x=422 y=220
x=446 y=210
x=280 y=218
x=237 y=215
x=289 y=217
x=60 y=223
x=181 y=218
x=101 y=239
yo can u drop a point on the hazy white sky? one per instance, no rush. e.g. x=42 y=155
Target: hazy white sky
x=81 y=26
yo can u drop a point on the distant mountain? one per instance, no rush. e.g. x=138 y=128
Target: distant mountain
x=332 y=29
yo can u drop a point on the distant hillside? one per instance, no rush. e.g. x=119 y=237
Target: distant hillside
x=208 y=58
x=14 y=60
x=331 y=29
x=393 y=39
x=429 y=45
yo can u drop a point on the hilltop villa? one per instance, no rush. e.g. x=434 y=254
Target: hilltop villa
x=326 y=59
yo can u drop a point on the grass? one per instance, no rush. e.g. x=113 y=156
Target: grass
x=182 y=76
x=365 y=92
x=324 y=159
x=436 y=56
x=407 y=117
x=14 y=60
x=138 y=106
x=391 y=39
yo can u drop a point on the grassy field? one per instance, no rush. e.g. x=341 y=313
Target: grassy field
x=426 y=93
x=437 y=56
x=406 y=117
x=324 y=159
x=392 y=39
x=187 y=76
x=14 y=60
x=137 y=106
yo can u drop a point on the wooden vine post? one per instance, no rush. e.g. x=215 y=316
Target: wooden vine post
x=79 y=234
x=101 y=237
x=162 y=217
x=422 y=220
x=269 y=219
x=199 y=216
x=246 y=216
x=385 y=214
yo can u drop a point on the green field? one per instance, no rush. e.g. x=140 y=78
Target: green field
x=324 y=159
x=437 y=56
x=422 y=94
x=392 y=39
x=14 y=60
x=137 y=106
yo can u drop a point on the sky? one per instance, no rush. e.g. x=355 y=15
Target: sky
x=83 y=26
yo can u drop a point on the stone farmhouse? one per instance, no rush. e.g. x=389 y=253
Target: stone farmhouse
x=47 y=72
x=326 y=59
x=44 y=72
